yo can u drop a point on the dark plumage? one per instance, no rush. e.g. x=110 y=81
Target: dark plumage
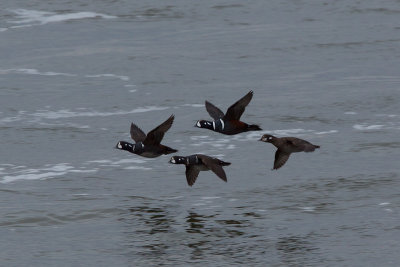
x=286 y=146
x=148 y=145
x=228 y=123
x=196 y=163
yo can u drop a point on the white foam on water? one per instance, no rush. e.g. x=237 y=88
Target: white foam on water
x=34 y=72
x=132 y=91
x=387 y=115
x=327 y=132
x=65 y=113
x=291 y=131
x=128 y=161
x=193 y=105
x=50 y=171
x=209 y=198
x=217 y=155
x=363 y=127
x=231 y=146
x=308 y=209
x=121 y=77
x=384 y=203
x=28 y=18
x=126 y=164
x=137 y=168
x=51 y=73
x=350 y=113
x=199 y=137
x=102 y=161
x=118 y=162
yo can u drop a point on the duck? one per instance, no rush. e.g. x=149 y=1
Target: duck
x=287 y=146
x=148 y=146
x=198 y=162
x=228 y=123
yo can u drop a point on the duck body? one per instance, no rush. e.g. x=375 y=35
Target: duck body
x=227 y=127
x=198 y=162
x=287 y=145
x=229 y=123
x=148 y=151
x=148 y=146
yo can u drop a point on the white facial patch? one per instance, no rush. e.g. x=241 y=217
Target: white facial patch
x=119 y=145
x=198 y=124
x=172 y=160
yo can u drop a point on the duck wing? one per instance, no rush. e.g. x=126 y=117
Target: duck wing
x=155 y=136
x=235 y=111
x=191 y=174
x=214 y=165
x=214 y=112
x=280 y=158
x=137 y=134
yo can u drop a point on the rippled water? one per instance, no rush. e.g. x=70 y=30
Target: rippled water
x=73 y=76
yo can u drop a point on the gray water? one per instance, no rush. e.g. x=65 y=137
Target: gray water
x=75 y=74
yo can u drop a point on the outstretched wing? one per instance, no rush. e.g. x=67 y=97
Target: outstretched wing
x=191 y=174
x=280 y=159
x=155 y=136
x=214 y=112
x=213 y=164
x=137 y=134
x=236 y=110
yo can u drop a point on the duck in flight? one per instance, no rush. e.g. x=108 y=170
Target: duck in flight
x=228 y=123
x=149 y=145
x=286 y=146
x=198 y=162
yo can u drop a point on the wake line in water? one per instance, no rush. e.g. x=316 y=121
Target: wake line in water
x=28 y=18
x=12 y=173
x=37 y=117
x=51 y=73
x=43 y=173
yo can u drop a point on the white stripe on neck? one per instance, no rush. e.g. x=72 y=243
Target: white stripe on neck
x=223 y=124
x=213 y=125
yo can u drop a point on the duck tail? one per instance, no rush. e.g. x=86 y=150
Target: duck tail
x=223 y=163
x=169 y=150
x=253 y=127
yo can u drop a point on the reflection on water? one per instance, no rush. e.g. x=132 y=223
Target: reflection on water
x=155 y=220
x=295 y=250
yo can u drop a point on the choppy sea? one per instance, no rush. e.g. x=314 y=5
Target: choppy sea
x=74 y=75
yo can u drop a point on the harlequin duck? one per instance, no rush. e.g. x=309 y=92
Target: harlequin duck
x=286 y=146
x=197 y=162
x=148 y=145
x=229 y=123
